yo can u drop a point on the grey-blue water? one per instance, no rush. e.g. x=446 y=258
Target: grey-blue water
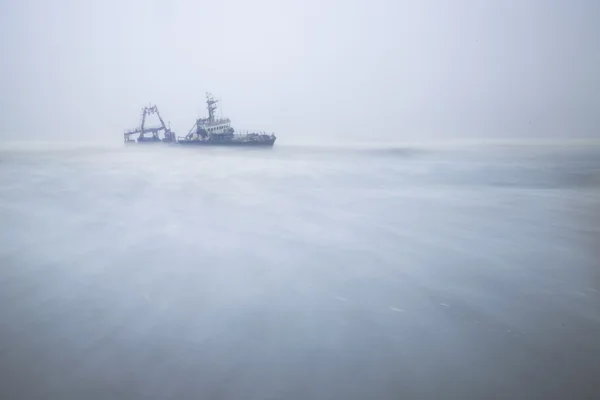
x=300 y=273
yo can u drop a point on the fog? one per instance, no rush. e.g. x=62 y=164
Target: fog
x=310 y=70
x=357 y=257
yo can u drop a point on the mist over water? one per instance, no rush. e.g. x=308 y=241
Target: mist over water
x=339 y=271
x=300 y=272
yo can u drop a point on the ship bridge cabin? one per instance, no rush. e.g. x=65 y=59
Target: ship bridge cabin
x=215 y=127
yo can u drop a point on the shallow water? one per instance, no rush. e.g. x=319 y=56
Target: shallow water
x=300 y=272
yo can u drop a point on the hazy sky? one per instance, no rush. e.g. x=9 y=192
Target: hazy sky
x=378 y=68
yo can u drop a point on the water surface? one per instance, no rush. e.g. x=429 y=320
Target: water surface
x=300 y=272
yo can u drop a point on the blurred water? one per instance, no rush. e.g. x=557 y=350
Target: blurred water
x=300 y=273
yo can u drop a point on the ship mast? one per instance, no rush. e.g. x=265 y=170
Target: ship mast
x=212 y=106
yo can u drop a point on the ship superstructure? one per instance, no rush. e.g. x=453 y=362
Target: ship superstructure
x=218 y=131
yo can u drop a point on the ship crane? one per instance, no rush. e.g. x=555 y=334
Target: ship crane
x=153 y=131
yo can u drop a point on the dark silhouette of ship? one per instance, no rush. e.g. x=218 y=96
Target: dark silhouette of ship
x=214 y=131
x=209 y=131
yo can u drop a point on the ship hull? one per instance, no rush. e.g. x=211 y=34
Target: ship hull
x=228 y=143
x=147 y=142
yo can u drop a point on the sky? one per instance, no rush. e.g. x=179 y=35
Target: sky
x=366 y=70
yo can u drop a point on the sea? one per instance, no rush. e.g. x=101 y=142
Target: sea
x=421 y=271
